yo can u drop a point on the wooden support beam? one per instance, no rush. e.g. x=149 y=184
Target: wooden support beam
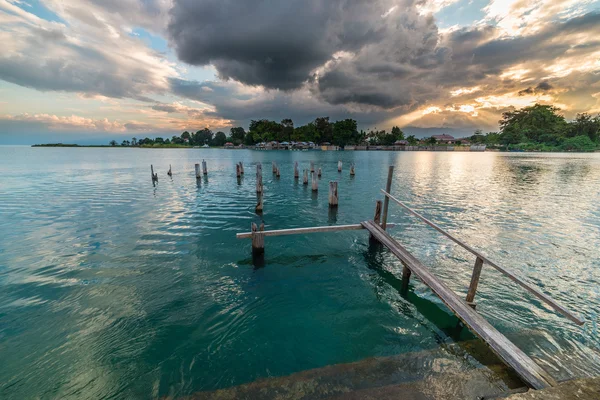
x=333 y=194
x=474 y=281
x=531 y=373
x=507 y=272
x=277 y=173
x=259 y=205
x=376 y=217
x=340 y=166
x=204 y=169
x=352 y=169
x=303 y=231
x=296 y=173
x=153 y=175
x=312 y=167
x=273 y=166
x=259 y=181
x=238 y=171
x=315 y=183
x=197 y=170
x=386 y=201
x=241 y=168
x=406 y=273
x=305 y=177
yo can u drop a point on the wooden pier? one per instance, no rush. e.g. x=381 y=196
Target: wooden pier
x=528 y=370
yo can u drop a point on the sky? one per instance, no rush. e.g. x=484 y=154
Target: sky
x=89 y=71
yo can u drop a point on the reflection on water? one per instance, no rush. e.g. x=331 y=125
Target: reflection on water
x=110 y=287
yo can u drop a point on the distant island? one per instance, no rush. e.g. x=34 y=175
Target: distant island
x=535 y=128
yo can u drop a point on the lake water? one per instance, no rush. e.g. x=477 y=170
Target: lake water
x=113 y=288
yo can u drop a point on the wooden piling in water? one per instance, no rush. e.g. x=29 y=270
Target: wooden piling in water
x=296 y=173
x=274 y=166
x=319 y=172
x=241 y=168
x=333 y=194
x=238 y=171
x=376 y=217
x=352 y=169
x=277 y=173
x=170 y=173
x=197 y=168
x=305 y=178
x=152 y=174
x=259 y=182
x=386 y=200
x=340 y=166
x=315 y=183
x=312 y=167
x=259 y=205
x=258 y=239
x=204 y=169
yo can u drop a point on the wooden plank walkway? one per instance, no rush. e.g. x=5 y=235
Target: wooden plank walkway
x=524 y=366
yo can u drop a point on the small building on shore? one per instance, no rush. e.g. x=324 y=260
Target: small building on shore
x=444 y=139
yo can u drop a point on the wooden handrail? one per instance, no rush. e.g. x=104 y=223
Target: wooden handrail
x=510 y=274
x=300 y=231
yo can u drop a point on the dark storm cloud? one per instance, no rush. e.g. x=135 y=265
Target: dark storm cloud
x=540 y=88
x=275 y=44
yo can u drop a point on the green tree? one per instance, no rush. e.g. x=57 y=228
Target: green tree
x=287 y=129
x=134 y=142
x=324 y=130
x=431 y=140
x=186 y=136
x=219 y=139
x=202 y=137
x=345 y=132
x=113 y=143
x=397 y=133
x=529 y=124
x=579 y=143
x=237 y=135
x=585 y=124
x=412 y=140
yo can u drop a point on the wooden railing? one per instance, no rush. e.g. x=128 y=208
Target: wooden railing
x=480 y=260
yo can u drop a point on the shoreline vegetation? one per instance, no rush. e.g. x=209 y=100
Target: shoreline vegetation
x=535 y=128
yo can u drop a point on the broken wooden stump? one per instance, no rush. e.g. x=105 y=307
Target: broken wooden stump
x=333 y=194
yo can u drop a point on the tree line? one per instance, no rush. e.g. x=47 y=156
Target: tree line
x=538 y=127
x=544 y=128
x=321 y=130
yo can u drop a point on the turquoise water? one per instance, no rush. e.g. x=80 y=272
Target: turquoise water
x=113 y=288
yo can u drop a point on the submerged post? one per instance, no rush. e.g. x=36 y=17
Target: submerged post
x=386 y=200
x=258 y=239
x=170 y=173
x=315 y=183
x=241 y=168
x=352 y=169
x=153 y=175
x=333 y=194
x=259 y=183
x=296 y=174
x=204 y=169
x=238 y=172
x=312 y=166
x=197 y=168
x=340 y=166
x=406 y=273
x=259 y=205
x=277 y=173
x=474 y=282
x=305 y=178
x=273 y=166
x=319 y=172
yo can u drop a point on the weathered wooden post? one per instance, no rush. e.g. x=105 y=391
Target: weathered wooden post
x=259 y=183
x=352 y=169
x=259 y=205
x=319 y=172
x=305 y=178
x=376 y=218
x=312 y=167
x=406 y=273
x=197 y=168
x=296 y=174
x=474 y=282
x=277 y=173
x=274 y=166
x=340 y=166
x=238 y=171
x=241 y=168
x=204 y=169
x=153 y=175
x=170 y=173
x=315 y=183
x=258 y=239
x=386 y=200
x=333 y=194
